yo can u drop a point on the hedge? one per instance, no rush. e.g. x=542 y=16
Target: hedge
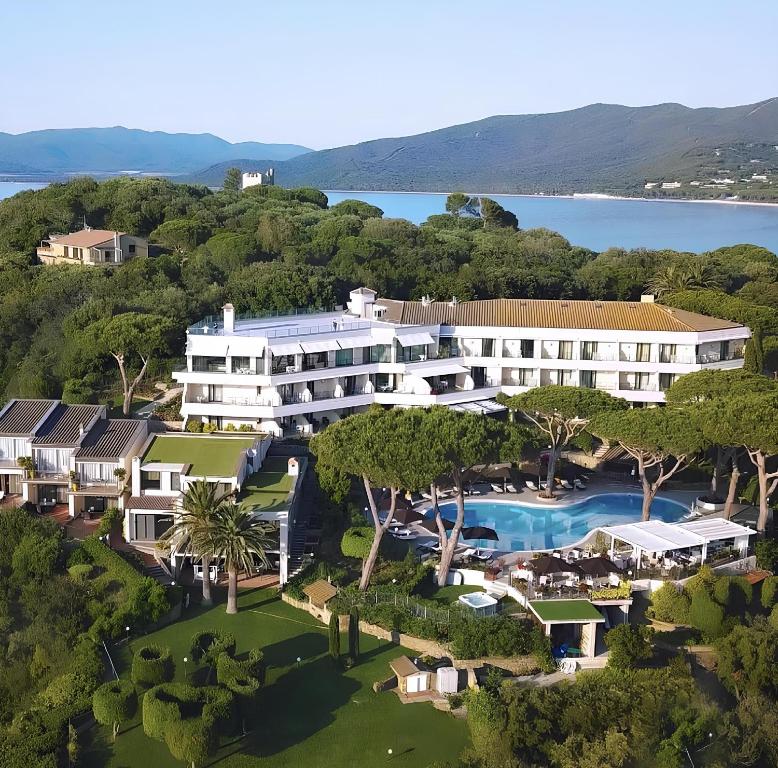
x=114 y=702
x=152 y=665
x=769 y=592
x=209 y=644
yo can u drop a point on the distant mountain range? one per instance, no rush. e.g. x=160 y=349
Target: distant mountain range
x=115 y=150
x=598 y=148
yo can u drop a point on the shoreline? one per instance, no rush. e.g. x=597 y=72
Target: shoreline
x=574 y=196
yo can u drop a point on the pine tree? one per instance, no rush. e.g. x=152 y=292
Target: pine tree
x=353 y=634
x=334 y=636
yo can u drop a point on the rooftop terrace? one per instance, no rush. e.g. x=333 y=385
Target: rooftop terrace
x=208 y=456
x=268 y=489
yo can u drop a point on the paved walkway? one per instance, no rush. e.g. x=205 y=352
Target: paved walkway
x=146 y=410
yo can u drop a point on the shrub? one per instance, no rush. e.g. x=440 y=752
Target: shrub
x=490 y=636
x=209 y=428
x=192 y=740
x=357 y=541
x=704 y=579
x=80 y=572
x=194 y=425
x=622 y=592
x=628 y=644
x=161 y=706
x=152 y=665
x=110 y=519
x=706 y=615
x=334 y=635
x=773 y=620
x=322 y=570
x=670 y=605
x=353 y=634
x=114 y=703
x=769 y=589
x=206 y=646
x=766 y=552
x=79 y=556
x=734 y=593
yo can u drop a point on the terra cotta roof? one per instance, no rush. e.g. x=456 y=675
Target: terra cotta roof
x=86 y=238
x=552 y=313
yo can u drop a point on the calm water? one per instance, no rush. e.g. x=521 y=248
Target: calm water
x=8 y=188
x=523 y=527
x=599 y=224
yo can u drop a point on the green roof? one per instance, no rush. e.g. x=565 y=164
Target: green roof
x=565 y=610
x=269 y=488
x=209 y=456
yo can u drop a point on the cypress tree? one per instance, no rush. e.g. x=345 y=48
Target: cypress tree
x=334 y=636
x=353 y=634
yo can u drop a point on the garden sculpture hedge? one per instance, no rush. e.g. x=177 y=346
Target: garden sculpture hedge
x=152 y=665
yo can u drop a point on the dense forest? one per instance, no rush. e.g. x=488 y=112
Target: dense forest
x=270 y=248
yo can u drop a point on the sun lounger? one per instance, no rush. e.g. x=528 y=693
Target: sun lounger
x=579 y=485
x=511 y=488
x=531 y=485
x=464 y=555
x=426 y=495
x=543 y=485
x=497 y=488
x=483 y=557
x=566 y=485
x=404 y=533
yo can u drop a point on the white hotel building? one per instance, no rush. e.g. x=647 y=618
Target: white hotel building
x=299 y=372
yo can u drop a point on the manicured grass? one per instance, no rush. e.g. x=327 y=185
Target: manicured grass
x=268 y=489
x=311 y=714
x=565 y=610
x=209 y=456
x=451 y=593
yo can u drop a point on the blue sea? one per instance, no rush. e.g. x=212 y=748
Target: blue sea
x=599 y=223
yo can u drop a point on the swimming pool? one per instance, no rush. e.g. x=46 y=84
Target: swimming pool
x=525 y=526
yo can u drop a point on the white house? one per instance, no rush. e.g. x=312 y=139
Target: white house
x=258 y=178
x=299 y=372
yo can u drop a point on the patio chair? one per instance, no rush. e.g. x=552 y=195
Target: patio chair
x=496 y=488
x=531 y=485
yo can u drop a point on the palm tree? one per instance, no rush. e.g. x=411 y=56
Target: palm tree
x=237 y=538
x=192 y=532
x=681 y=277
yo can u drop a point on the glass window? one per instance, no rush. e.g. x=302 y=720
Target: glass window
x=283 y=364
x=667 y=353
x=588 y=350
x=565 y=350
x=381 y=353
x=527 y=348
x=175 y=481
x=209 y=364
x=131 y=248
x=344 y=357
x=666 y=380
x=724 y=350
x=488 y=348
x=149 y=480
x=447 y=347
x=314 y=360
x=643 y=353
x=589 y=379
x=241 y=365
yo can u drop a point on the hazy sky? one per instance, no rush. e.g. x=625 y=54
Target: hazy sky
x=330 y=72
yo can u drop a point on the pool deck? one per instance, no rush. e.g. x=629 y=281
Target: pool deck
x=595 y=487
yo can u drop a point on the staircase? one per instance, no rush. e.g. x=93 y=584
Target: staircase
x=601 y=451
x=157 y=573
x=296 y=556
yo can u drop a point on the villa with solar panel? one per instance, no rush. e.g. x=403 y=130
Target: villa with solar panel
x=298 y=372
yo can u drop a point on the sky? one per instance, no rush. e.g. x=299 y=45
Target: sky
x=324 y=73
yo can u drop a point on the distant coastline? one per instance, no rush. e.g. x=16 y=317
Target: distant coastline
x=541 y=195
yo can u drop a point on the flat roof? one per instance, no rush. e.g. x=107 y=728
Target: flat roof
x=110 y=439
x=268 y=488
x=208 y=456
x=654 y=535
x=20 y=417
x=565 y=611
x=64 y=425
x=717 y=528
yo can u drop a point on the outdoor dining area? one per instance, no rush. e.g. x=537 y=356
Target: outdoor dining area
x=568 y=576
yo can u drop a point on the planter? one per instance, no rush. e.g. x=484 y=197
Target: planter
x=709 y=506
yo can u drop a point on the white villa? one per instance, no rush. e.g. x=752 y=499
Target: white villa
x=299 y=372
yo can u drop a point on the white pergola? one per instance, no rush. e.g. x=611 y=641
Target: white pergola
x=660 y=537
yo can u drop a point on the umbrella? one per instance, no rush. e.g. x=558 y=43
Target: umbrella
x=479 y=532
x=598 y=566
x=402 y=503
x=545 y=565
x=431 y=525
x=406 y=515
x=498 y=472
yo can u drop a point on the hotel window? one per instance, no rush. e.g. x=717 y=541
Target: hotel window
x=642 y=353
x=131 y=248
x=241 y=365
x=588 y=350
x=525 y=377
x=215 y=393
x=209 y=364
x=381 y=353
x=344 y=357
x=589 y=379
x=447 y=347
x=175 y=481
x=314 y=361
x=666 y=380
x=149 y=481
x=488 y=348
x=282 y=363
x=66 y=251
x=667 y=353
x=565 y=350
x=527 y=348
x=724 y=350
x=640 y=380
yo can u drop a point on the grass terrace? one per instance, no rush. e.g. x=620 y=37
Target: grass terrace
x=565 y=610
x=209 y=456
x=310 y=713
x=268 y=489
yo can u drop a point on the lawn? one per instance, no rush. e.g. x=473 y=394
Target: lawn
x=450 y=594
x=565 y=610
x=268 y=489
x=209 y=456
x=313 y=713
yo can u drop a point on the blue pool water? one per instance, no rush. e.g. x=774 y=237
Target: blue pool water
x=524 y=527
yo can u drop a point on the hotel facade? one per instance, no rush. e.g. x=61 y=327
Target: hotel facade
x=301 y=371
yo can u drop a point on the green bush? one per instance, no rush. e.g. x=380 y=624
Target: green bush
x=769 y=591
x=773 y=619
x=473 y=638
x=194 y=425
x=111 y=518
x=670 y=605
x=704 y=579
x=192 y=740
x=766 y=552
x=334 y=635
x=114 y=702
x=628 y=644
x=357 y=541
x=80 y=572
x=79 y=556
x=312 y=572
x=207 y=645
x=706 y=615
x=152 y=665
x=353 y=634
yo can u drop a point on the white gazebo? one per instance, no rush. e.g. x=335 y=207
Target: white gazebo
x=656 y=536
